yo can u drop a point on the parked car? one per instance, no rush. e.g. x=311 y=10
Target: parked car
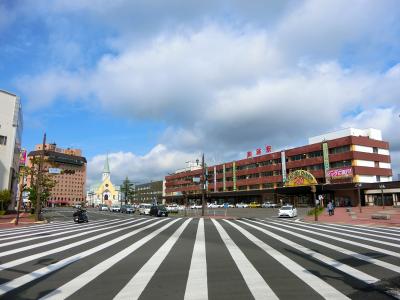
x=103 y=207
x=144 y=208
x=254 y=205
x=242 y=205
x=115 y=208
x=158 y=211
x=269 y=205
x=212 y=205
x=196 y=206
x=128 y=209
x=287 y=211
x=173 y=208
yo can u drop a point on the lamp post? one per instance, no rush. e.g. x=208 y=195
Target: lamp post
x=203 y=187
x=358 y=186
x=382 y=186
x=313 y=190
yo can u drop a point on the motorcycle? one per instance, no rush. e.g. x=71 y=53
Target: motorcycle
x=80 y=216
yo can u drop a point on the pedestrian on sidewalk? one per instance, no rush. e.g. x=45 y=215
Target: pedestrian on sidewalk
x=330 y=208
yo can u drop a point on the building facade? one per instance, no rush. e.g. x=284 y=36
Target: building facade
x=10 y=143
x=150 y=192
x=344 y=157
x=67 y=167
x=104 y=192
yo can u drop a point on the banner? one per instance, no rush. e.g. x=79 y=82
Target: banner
x=224 y=177
x=283 y=162
x=340 y=173
x=325 y=153
x=234 y=175
x=215 y=178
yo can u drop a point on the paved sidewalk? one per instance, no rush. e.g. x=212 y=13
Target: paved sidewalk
x=354 y=217
x=25 y=219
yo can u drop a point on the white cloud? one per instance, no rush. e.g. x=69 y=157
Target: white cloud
x=152 y=166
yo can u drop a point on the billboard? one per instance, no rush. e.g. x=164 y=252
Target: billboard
x=22 y=157
x=339 y=173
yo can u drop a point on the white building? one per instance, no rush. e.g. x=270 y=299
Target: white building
x=10 y=142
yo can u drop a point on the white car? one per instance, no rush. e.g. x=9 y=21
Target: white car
x=115 y=208
x=172 y=208
x=196 y=206
x=287 y=211
x=103 y=207
x=269 y=205
x=144 y=208
x=242 y=205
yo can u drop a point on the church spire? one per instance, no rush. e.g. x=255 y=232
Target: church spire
x=106 y=169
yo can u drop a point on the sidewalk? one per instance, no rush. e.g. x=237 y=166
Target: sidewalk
x=354 y=217
x=25 y=219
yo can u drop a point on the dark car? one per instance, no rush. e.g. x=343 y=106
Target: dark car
x=158 y=211
x=128 y=209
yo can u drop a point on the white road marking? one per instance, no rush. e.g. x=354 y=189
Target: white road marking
x=196 y=285
x=366 y=258
x=347 y=241
x=25 y=248
x=22 y=280
x=256 y=284
x=25 y=259
x=134 y=288
x=78 y=282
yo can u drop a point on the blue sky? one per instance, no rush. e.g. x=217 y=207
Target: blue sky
x=156 y=83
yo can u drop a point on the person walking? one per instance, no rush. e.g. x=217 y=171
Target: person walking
x=330 y=208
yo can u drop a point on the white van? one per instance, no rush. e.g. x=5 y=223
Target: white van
x=144 y=208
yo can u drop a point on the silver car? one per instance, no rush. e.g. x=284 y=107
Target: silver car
x=287 y=211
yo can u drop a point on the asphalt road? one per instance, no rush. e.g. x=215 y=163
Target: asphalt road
x=118 y=256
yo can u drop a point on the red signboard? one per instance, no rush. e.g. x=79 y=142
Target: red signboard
x=340 y=173
x=249 y=154
x=268 y=149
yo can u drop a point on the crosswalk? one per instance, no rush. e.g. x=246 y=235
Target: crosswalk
x=196 y=258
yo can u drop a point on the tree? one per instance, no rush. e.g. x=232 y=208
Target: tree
x=47 y=184
x=5 y=198
x=128 y=190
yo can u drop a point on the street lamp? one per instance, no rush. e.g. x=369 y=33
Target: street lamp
x=313 y=190
x=382 y=186
x=358 y=186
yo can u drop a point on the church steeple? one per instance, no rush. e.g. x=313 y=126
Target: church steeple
x=106 y=170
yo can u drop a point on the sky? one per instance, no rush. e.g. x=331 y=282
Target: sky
x=156 y=83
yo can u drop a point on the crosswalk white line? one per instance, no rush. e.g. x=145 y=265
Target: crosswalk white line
x=340 y=228
x=318 y=227
x=347 y=241
x=63 y=228
x=361 y=230
x=24 y=228
x=196 y=285
x=255 y=282
x=78 y=282
x=359 y=256
x=24 y=240
x=384 y=229
x=22 y=280
x=317 y=284
x=135 y=287
x=49 y=242
x=25 y=259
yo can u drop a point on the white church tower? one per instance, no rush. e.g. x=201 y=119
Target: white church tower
x=106 y=170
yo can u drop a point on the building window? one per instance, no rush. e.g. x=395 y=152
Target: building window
x=3 y=140
x=375 y=149
x=315 y=154
x=339 y=149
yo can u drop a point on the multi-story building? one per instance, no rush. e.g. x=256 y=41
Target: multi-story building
x=148 y=192
x=337 y=160
x=68 y=168
x=10 y=142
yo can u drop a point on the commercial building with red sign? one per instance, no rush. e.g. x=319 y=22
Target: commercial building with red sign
x=68 y=168
x=338 y=160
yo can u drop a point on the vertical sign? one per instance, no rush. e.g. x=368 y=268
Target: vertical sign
x=283 y=162
x=223 y=177
x=234 y=175
x=215 y=178
x=325 y=153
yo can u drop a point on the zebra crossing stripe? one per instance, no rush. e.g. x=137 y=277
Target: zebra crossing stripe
x=383 y=229
x=20 y=236
x=25 y=259
x=359 y=256
x=134 y=288
x=317 y=227
x=22 y=280
x=196 y=285
x=17 y=250
x=317 y=284
x=256 y=284
x=78 y=282
x=359 y=232
x=316 y=255
x=347 y=241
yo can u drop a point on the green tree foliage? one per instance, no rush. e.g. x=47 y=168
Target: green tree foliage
x=127 y=190
x=5 y=199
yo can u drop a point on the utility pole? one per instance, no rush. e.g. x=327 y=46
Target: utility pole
x=313 y=190
x=358 y=186
x=203 y=187
x=39 y=180
x=21 y=190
